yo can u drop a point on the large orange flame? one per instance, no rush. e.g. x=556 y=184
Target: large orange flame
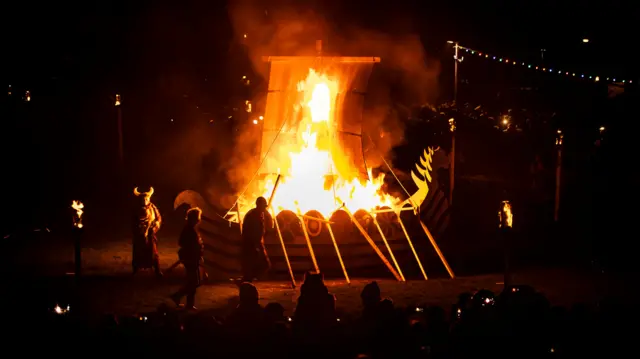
x=315 y=174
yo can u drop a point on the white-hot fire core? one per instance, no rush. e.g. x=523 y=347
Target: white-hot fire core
x=315 y=173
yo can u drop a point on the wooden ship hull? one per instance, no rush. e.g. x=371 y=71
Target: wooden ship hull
x=223 y=242
x=221 y=232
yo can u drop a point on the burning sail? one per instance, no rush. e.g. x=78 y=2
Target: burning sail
x=312 y=138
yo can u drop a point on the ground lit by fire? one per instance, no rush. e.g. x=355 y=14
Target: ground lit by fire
x=315 y=173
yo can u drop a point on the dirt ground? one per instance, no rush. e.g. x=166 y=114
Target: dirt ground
x=109 y=287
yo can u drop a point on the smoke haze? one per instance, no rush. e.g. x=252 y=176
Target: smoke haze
x=405 y=77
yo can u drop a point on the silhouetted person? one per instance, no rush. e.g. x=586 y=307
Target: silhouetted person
x=190 y=253
x=246 y=324
x=146 y=223
x=371 y=297
x=315 y=313
x=255 y=260
x=277 y=331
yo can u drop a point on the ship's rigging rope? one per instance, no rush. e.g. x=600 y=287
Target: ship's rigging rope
x=257 y=170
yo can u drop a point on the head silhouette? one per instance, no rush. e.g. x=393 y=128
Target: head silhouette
x=248 y=294
x=371 y=294
x=261 y=203
x=194 y=215
x=144 y=197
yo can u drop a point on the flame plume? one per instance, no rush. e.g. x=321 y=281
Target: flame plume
x=315 y=173
x=78 y=206
x=505 y=215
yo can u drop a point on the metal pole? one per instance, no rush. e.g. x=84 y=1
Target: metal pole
x=556 y=212
x=406 y=234
x=372 y=243
x=455 y=73
x=386 y=243
x=335 y=244
x=435 y=246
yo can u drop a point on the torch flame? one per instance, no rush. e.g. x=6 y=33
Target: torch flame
x=315 y=173
x=59 y=310
x=505 y=215
x=78 y=206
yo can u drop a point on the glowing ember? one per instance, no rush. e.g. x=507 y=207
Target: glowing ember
x=78 y=206
x=316 y=175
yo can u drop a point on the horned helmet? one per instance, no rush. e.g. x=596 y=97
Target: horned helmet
x=145 y=196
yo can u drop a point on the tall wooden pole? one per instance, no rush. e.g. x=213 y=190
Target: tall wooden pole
x=76 y=233
x=437 y=248
x=120 y=135
x=372 y=243
x=386 y=244
x=415 y=254
x=556 y=211
x=452 y=159
x=309 y=246
x=456 y=46
x=505 y=225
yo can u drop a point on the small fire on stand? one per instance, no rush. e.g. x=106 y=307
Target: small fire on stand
x=505 y=215
x=77 y=219
x=59 y=310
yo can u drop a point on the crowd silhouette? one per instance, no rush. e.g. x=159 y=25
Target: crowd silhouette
x=517 y=322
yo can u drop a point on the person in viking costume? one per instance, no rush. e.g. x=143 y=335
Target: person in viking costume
x=190 y=253
x=255 y=260
x=146 y=223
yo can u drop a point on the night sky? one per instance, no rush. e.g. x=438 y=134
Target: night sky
x=178 y=60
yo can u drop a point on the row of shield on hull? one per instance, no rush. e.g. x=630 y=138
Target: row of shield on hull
x=222 y=239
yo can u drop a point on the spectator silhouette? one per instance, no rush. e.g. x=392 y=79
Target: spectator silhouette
x=381 y=324
x=371 y=297
x=246 y=323
x=277 y=331
x=315 y=313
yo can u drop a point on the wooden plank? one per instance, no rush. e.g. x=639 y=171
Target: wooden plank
x=339 y=59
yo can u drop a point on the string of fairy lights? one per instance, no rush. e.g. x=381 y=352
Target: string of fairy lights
x=546 y=69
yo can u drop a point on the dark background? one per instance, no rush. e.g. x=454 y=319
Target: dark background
x=177 y=65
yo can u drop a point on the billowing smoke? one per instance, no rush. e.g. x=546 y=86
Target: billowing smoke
x=406 y=76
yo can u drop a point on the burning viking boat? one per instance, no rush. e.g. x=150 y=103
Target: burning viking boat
x=331 y=212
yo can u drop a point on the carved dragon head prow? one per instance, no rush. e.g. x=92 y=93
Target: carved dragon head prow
x=421 y=180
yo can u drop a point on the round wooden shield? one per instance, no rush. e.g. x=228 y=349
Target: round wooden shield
x=290 y=226
x=341 y=223
x=314 y=228
x=364 y=219
x=388 y=222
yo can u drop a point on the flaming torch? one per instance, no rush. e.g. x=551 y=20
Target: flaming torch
x=78 y=207
x=505 y=224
